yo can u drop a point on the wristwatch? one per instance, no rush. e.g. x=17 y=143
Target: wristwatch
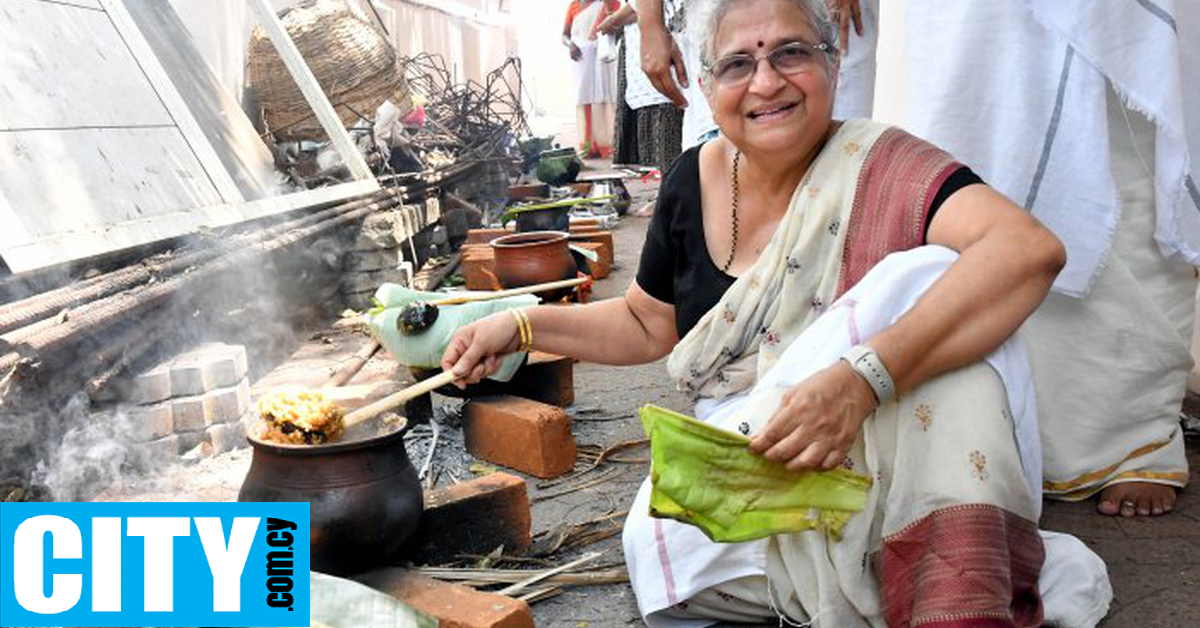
x=867 y=364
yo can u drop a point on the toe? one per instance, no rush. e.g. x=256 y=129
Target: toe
x=1108 y=507
x=1128 y=509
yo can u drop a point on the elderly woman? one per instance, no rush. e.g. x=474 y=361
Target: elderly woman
x=757 y=233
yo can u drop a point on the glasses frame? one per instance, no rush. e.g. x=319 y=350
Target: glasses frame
x=822 y=47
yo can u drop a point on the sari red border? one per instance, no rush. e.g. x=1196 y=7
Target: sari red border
x=965 y=566
x=896 y=185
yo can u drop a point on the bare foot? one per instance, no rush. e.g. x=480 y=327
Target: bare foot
x=1136 y=499
x=646 y=210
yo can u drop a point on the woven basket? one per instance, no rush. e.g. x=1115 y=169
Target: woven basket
x=357 y=68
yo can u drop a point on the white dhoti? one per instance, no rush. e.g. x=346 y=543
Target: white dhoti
x=1111 y=368
x=1026 y=93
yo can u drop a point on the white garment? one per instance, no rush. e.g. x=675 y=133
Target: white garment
x=1110 y=412
x=698 y=123
x=1016 y=90
x=595 y=80
x=669 y=562
x=856 y=76
x=639 y=92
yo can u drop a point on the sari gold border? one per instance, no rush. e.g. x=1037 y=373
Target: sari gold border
x=1170 y=478
x=1073 y=485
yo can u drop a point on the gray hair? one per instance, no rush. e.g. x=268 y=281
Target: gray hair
x=704 y=16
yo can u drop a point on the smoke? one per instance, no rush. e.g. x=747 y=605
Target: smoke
x=58 y=443
x=90 y=457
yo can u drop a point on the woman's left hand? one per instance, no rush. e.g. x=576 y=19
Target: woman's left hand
x=817 y=420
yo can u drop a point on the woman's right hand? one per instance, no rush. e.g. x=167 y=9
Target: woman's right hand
x=475 y=350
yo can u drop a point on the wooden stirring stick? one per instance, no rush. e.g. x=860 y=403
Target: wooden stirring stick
x=398 y=398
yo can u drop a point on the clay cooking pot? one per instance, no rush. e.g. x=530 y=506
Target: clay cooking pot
x=364 y=495
x=524 y=259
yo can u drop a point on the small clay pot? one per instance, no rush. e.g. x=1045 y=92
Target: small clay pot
x=365 y=500
x=524 y=259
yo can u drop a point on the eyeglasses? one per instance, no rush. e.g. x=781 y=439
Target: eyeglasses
x=789 y=59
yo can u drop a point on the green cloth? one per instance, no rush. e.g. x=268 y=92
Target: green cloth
x=424 y=350
x=708 y=477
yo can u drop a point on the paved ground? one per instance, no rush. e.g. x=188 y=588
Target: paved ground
x=1154 y=563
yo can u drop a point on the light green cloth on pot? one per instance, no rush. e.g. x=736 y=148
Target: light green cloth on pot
x=424 y=350
x=708 y=477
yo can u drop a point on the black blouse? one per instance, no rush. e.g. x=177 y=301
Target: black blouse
x=675 y=266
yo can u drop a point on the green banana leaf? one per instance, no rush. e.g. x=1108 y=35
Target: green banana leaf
x=708 y=477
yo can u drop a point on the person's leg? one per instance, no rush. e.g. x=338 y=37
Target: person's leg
x=1171 y=284
x=1111 y=368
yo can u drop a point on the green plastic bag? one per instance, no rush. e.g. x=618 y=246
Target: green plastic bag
x=708 y=477
x=424 y=350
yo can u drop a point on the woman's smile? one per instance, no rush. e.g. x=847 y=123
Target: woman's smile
x=773 y=112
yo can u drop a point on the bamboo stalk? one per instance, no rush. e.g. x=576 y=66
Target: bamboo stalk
x=534 y=579
x=106 y=312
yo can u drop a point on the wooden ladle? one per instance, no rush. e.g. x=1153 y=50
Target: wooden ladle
x=398 y=398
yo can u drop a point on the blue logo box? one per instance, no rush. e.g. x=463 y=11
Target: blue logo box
x=154 y=564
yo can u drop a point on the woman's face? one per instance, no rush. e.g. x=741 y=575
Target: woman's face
x=771 y=111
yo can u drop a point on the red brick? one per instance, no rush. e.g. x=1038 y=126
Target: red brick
x=580 y=224
x=547 y=378
x=483 y=236
x=454 y=605
x=479 y=267
x=605 y=238
x=602 y=266
x=473 y=517
x=526 y=435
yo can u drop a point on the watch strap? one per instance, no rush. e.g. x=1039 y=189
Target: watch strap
x=865 y=361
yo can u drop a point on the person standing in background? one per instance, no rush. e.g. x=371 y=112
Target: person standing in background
x=595 y=80
x=648 y=127
x=648 y=130
x=670 y=61
x=856 y=73
x=1087 y=114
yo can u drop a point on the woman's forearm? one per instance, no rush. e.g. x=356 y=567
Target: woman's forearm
x=650 y=14
x=604 y=332
x=980 y=301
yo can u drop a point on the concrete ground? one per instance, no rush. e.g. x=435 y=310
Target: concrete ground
x=1154 y=564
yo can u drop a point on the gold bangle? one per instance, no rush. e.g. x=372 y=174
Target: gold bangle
x=528 y=331
x=520 y=330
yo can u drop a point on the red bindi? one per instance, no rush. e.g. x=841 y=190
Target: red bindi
x=760 y=44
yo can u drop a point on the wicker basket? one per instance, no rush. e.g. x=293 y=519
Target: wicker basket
x=357 y=68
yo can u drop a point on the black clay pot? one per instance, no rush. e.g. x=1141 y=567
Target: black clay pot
x=364 y=495
x=553 y=219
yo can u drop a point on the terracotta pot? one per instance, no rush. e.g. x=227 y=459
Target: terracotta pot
x=523 y=259
x=364 y=495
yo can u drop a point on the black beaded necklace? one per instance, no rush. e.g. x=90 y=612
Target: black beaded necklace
x=733 y=185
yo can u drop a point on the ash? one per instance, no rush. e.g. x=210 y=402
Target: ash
x=450 y=463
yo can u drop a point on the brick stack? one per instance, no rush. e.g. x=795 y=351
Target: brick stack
x=374 y=259
x=192 y=402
